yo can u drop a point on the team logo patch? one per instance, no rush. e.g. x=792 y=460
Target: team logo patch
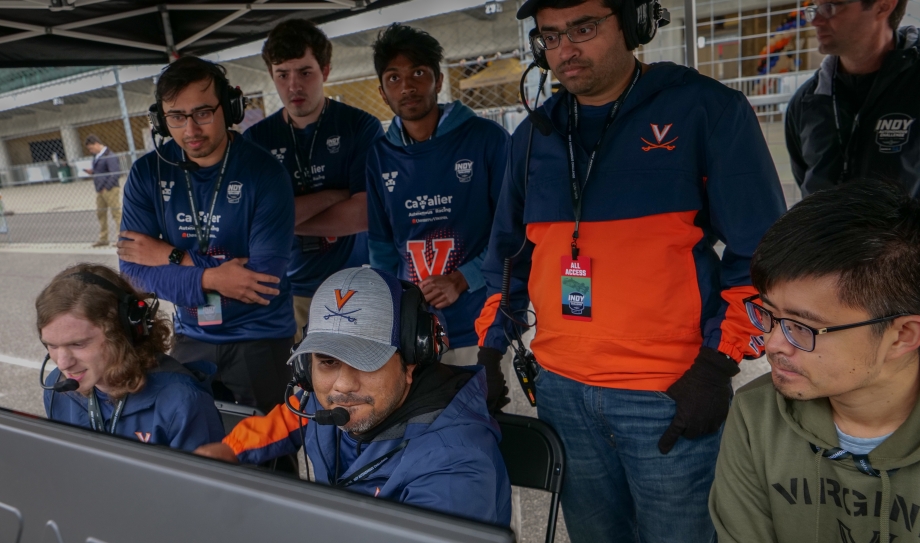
x=342 y=299
x=389 y=180
x=143 y=436
x=166 y=189
x=660 y=135
x=332 y=144
x=279 y=153
x=464 y=170
x=892 y=132
x=234 y=192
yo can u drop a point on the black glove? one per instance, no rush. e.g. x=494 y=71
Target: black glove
x=703 y=395
x=497 y=396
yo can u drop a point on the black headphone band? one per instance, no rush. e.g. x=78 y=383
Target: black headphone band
x=135 y=315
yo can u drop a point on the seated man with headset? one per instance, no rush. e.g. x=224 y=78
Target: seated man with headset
x=112 y=374
x=387 y=419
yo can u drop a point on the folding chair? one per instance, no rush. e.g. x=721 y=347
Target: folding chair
x=534 y=457
x=232 y=413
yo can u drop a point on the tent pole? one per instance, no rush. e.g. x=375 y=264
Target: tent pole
x=124 y=115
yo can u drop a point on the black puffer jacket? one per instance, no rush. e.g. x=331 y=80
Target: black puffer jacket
x=885 y=142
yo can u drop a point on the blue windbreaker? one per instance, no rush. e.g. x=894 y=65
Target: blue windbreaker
x=683 y=166
x=451 y=462
x=430 y=207
x=173 y=409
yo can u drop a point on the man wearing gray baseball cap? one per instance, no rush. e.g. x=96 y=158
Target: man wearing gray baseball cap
x=386 y=418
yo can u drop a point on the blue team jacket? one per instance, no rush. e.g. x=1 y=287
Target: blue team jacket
x=339 y=155
x=253 y=218
x=431 y=204
x=173 y=409
x=683 y=166
x=451 y=462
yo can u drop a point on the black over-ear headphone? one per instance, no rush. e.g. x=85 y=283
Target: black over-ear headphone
x=232 y=102
x=136 y=315
x=640 y=24
x=422 y=339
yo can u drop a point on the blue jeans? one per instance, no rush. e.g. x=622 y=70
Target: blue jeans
x=617 y=486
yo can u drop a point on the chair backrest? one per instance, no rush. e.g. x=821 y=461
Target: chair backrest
x=232 y=413
x=532 y=452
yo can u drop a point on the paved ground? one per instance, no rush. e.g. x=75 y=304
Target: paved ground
x=52 y=213
x=24 y=274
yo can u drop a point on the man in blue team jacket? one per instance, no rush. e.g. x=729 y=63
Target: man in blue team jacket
x=208 y=225
x=121 y=381
x=361 y=355
x=433 y=185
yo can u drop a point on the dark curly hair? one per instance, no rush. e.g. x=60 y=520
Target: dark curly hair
x=291 y=39
x=128 y=363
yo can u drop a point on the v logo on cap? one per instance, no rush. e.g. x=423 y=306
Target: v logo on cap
x=341 y=300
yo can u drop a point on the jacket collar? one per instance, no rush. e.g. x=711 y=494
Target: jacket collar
x=453 y=115
x=905 y=53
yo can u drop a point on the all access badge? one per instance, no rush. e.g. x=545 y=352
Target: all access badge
x=576 y=288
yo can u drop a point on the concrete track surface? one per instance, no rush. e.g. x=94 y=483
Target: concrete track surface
x=24 y=274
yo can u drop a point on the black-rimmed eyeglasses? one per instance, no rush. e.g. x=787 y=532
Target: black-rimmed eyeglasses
x=576 y=34
x=826 y=10
x=201 y=117
x=800 y=335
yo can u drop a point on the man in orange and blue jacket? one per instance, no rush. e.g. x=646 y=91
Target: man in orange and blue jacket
x=640 y=324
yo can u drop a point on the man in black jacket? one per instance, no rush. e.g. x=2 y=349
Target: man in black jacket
x=105 y=172
x=856 y=116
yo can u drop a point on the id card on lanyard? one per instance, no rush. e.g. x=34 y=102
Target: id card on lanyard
x=209 y=314
x=576 y=268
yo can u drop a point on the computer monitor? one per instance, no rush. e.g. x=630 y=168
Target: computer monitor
x=63 y=484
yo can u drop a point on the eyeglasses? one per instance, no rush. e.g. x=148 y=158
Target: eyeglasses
x=800 y=335
x=576 y=34
x=201 y=117
x=826 y=10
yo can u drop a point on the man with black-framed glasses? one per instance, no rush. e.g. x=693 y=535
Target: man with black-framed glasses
x=827 y=445
x=208 y=225
x=856 y=117
x=608 y=215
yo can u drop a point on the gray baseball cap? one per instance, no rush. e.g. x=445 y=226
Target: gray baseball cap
x=355 y=318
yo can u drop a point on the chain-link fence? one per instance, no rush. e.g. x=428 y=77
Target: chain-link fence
x=49 y=196
x=763 y=50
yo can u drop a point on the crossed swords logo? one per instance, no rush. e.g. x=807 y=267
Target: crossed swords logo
x=659 y=135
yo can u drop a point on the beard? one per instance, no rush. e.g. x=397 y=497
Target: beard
x=418 y=110
x=375 y=417
x=594 y=77
x=210 y=145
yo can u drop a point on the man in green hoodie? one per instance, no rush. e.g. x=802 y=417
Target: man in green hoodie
x=827 y=446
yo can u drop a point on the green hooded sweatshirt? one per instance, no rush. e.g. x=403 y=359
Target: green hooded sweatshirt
x=771 y=485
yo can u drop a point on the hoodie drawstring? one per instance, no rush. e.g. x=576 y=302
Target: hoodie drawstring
x=818 y=498
x=884 y=521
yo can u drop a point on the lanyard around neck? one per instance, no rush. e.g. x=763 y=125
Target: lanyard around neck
x=575 y=185
x=204 y=234
x=304 y=174
x=96 y=422
x=845 y=145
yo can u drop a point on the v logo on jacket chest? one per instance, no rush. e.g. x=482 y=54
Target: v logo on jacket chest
x=660 y=135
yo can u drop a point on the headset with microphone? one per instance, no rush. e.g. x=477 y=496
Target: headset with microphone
x=639 y=23
x=232 y=102
x=422 y=343
x=135 y=315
